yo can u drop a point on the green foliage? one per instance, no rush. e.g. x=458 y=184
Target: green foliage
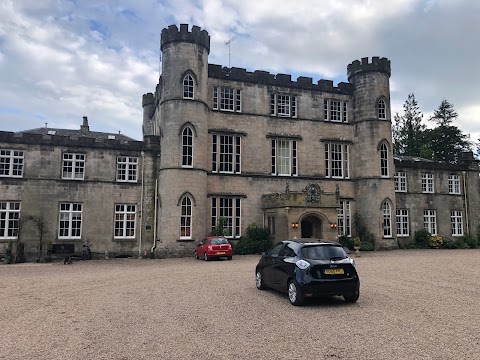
x=470 y=241
x=256 y=241
x=367 y=246
x=422 y=239
x=346 y=242
x=366 y=237
x=436 y=242
x=448 y=243
x=8 y=252
x=221 y=229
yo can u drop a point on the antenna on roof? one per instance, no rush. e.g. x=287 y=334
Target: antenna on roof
x=46 y=125
x=228 y=42
x=160 y=57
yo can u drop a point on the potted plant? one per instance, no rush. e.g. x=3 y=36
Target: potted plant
x=356 y=245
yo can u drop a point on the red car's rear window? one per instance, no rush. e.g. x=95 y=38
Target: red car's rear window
x=218 y=241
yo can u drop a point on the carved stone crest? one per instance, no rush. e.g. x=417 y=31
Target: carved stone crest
x=312 y=193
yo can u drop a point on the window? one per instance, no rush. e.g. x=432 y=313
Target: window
x=271 y=224
x=186 y=218
x=125 y=216
x=187 y=147
x=336 y=160
x=9 y=220
x=188 y=87
x=70 y=223
x=226 y=154
x=127 y=169
x=456 y=219
x=400 y=181
x=335 y=110
x=229 y=209
x=11 y=163
x=387 y=219
x=402 y=222
x=283 y=105
x=284 y=157
x=384 y=160
x=230 y=99
x=73 y=166
x=453 y=184
x=430 y=221
x=427 y=183
x=344 y=219
x=382 y=110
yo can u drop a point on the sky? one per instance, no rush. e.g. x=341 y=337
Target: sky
x=61 y=60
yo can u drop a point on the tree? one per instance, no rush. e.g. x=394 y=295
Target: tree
x=446 y=140
x=408 y=130
x=477 y=150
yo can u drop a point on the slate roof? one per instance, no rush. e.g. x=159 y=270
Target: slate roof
x=78 y=133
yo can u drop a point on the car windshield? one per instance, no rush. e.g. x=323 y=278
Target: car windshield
x=323 y=252
x=218 y=241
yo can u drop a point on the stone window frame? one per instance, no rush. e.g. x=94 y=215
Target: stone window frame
x=292 y=156
x=188 y=86
x=335 y=110
x=381 y=107
x=220 y=99
x=334 y=158
x=428 y=183
x=387 y=218
x=384 y=149
x=11 y=163
x=76 y=162
x=430 y=221
x=221 y=159
x=400 y=181
x=10 y=223
x=127 y=169
x=187 y=145
x=284 y=105
x=456 y=221
x=229 y=208
x=70 y=220
x=123 y=221
x=186 y=204
x=454 y=184
x=344 y=218
x=403 y=223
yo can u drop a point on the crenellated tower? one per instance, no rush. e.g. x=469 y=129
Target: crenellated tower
x=373 y=148
x=182 y=115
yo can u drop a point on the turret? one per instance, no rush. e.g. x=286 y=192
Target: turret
x=148 y=103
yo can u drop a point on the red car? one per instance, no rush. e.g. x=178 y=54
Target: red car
x=213 y=247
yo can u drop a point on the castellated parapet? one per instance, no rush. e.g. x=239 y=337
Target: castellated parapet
x=196 y=36
x=148 y=99
x=381 y=65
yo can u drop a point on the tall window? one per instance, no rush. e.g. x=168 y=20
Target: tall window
x=271 y=224
x=427 y=183
x=226 y=154
x=430 y=221
x=453 y=184
x=230 y=99
x=384 y=160
x=70 y=223
x=283 y=105
x=335 y=110
x=336 y=160
x=228 y=208
x=11 y=163
x=73 y=166
x=402 y=222
x=127 y=169
x=9 y=220
x=186 y=218
x=284 y=157
x=400 y=181
x=344 y=225
x=456 y=219
x=187 y=147
x=387 y=219
x=125 y=216
x=382 y=109
x=188 y=87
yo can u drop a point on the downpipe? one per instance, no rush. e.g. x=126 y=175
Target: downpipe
x=155 y=219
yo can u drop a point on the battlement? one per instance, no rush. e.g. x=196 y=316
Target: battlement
x=377 y=65
x=196 y=36
x=284 y=80
x=148 y=99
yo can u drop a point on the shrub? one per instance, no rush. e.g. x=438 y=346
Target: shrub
x=366 y=237
x=256 y=241
x=346 y=242
x=470 y=241
x=367 y=245
x=448 y=243
x=422 y=239
x=436 y=242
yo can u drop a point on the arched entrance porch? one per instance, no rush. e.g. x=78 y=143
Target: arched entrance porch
x=311 y=227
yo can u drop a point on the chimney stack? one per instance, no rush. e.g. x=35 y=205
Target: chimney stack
x=84 y=128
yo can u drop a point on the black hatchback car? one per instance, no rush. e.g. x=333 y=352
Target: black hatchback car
x=307 y=268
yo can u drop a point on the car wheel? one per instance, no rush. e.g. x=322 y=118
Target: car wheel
x=295 y=294
x=351 y=298
x=205 y=256
x=229 y=257
x=259 y=281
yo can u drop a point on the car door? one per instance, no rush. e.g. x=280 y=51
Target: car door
x=282 y=270
x=201 y=248
x=269 y=261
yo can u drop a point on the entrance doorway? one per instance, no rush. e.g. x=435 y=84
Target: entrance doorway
x=311 y=227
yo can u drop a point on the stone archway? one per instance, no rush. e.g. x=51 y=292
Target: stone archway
x=311 y=227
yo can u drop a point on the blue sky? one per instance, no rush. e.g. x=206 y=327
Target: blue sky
x=61 y=60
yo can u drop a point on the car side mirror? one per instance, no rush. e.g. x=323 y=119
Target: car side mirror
x=200 y=244
x=264 y=254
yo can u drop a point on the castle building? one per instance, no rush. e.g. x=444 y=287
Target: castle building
x=233 y=147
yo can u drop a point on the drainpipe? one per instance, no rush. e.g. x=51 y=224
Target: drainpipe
x=141 y=209
x=465 y=199
x=155 y=219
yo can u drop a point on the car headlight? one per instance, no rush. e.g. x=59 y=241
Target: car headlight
x=302 y=264
x=353 y=262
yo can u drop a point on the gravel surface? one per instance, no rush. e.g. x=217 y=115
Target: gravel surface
x=414 y=304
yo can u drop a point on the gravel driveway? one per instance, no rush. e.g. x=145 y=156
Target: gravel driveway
x=414 y=304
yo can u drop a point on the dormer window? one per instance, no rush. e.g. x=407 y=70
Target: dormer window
x=188 y=87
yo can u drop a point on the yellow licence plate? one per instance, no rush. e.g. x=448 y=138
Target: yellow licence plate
x=221 y=253
x=334 y=271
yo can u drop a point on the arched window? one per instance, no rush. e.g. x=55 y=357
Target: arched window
x=384 y=160
x=387 y=219
x=187 y=147
x=382 y=109
x=186 y=218
x=188 y=87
